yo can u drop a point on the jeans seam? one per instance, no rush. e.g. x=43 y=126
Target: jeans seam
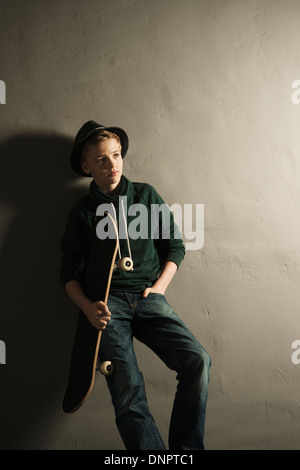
x=154 y=427
x=133 y=304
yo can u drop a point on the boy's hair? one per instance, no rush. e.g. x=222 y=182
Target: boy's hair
x=97 y=137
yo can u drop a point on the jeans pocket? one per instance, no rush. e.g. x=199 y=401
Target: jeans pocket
x=156 y=293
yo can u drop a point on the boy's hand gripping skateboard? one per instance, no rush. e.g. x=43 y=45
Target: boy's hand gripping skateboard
x=87 y=338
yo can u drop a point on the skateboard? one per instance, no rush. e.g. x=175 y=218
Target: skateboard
x=87 y=338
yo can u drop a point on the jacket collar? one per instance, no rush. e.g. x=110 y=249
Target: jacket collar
x=99 y=197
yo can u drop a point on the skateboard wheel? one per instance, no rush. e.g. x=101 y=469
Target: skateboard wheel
x=126 y=264
x=106 y=368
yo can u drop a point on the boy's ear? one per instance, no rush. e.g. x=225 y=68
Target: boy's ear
x=85 y=167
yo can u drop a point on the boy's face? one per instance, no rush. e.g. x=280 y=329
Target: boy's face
x=103 y=161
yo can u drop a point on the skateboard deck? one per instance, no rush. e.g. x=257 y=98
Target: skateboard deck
x=87 y=338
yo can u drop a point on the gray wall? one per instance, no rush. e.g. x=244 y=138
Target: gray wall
x=203 y=88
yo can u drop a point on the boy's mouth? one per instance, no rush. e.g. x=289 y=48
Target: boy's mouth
x=113 y=173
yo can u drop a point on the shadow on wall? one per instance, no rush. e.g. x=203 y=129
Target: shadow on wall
x=37 y=320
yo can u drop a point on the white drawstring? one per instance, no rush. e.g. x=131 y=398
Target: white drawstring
x=116 y=227
x=127 y=237
x=125 y=222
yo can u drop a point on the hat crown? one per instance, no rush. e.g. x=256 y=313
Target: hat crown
x=87 y=129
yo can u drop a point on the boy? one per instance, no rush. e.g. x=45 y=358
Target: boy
x=136 y=305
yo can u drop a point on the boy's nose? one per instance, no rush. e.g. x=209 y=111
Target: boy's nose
x=111 y=163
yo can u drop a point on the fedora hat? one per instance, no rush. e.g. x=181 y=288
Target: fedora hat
x=84 y=133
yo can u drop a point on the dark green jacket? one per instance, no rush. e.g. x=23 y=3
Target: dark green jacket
x=148 y=254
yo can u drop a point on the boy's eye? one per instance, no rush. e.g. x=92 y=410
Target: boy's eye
x=116 y=155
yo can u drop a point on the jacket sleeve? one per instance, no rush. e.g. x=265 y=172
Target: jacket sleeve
x=74 y=249
x=168 y=240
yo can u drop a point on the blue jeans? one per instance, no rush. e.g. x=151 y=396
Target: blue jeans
x=153 y=322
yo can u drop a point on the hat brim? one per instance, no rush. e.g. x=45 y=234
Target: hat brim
x=76 y=153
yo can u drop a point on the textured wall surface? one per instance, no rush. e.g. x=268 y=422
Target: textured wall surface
x=204 y=90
